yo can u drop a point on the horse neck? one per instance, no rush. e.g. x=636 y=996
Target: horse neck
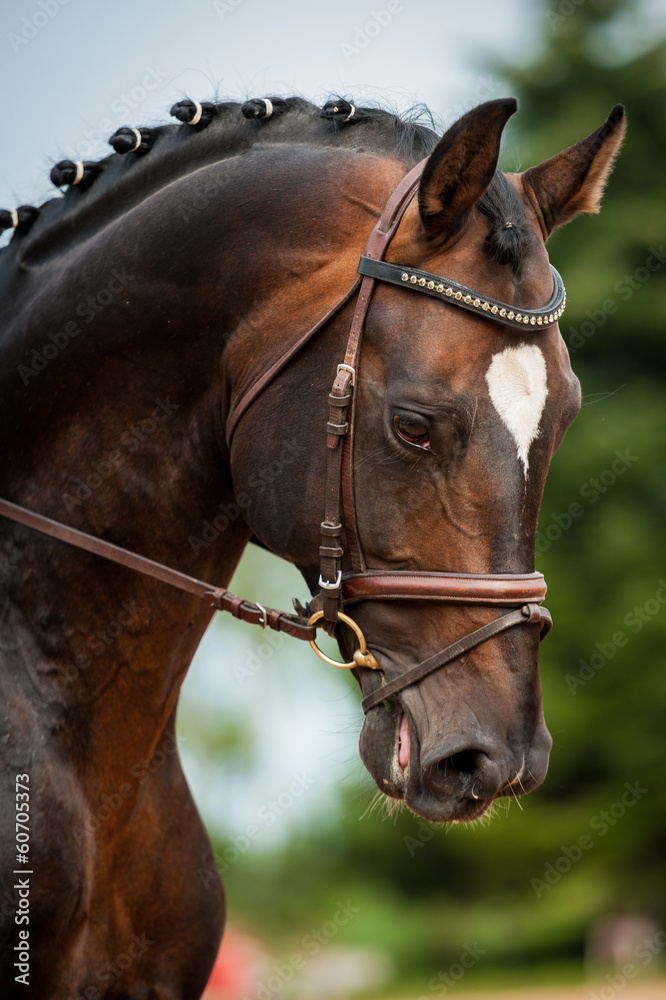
x=160 y=320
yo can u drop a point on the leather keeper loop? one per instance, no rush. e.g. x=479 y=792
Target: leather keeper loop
x=339 y=400
x=330 y=552
x=330 y=530
x=337 y=428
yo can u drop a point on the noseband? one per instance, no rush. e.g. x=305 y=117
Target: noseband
x=523 y=592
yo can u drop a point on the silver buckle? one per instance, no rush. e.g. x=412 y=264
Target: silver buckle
x=262 y=621
x=348 y=368
x=325 y=585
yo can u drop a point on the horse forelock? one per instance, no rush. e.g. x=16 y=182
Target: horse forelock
x=509 y=238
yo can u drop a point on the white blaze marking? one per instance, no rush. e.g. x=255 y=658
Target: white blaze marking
x=517 y=384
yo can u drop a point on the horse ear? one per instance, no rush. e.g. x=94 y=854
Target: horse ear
x=461 y=167
x=574 y=180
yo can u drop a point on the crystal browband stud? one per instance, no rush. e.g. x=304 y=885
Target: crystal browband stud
x=478 y=303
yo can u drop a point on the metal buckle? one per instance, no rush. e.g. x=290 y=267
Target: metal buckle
x=348 y=368
x=325 y=585
x=262 y=621
x=362 y=657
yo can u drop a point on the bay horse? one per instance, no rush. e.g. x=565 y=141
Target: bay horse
x=172 y=327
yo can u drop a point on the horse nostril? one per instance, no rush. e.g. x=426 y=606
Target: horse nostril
x=466 y=761
x=469 y=774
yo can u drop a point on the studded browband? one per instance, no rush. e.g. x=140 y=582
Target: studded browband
x=456 y=294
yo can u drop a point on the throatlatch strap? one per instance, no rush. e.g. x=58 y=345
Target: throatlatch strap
x=255 y=390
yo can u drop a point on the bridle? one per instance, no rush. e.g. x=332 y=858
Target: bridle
x=523 y=592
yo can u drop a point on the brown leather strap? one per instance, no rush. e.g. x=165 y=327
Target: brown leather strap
x=256 y=614
x=377 y=242
x=217 y=597
x=340 y=427
x=460 y=588
x=528 y=614
x=393 y=211
x=330 y=550
x=258 y=387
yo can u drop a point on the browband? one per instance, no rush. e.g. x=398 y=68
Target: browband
x=447 y=290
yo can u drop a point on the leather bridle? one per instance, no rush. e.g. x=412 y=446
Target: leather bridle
x=523 y=592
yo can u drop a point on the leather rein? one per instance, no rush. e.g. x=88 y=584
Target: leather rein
x=524 y=592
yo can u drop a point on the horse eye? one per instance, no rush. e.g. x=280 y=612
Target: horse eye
x=412 y=430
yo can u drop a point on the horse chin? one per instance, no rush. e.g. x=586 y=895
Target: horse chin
x=390 y=750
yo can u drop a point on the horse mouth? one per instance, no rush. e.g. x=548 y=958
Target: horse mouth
x=410 y=782
x=403 y=741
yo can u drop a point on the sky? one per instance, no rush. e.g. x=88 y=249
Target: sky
x=73 y=71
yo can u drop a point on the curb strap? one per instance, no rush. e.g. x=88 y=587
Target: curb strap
x=530 y=613
x=217 y=597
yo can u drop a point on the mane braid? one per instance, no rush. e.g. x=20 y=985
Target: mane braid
x=121 y=180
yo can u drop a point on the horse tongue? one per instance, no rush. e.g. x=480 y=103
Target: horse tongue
x=403 y=743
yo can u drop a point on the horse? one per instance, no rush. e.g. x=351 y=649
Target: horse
x=174 y=326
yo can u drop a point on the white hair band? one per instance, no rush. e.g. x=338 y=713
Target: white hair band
x=78 y=176
x=269 y=107
x=139 y=140
x=197 y=114
x=15 y=218
x=352 y=112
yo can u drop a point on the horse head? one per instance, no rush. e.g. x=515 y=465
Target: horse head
x=456 y=419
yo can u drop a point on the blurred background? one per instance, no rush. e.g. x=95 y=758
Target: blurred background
x=329 y=895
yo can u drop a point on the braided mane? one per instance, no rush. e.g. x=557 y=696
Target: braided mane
x=147 y=158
